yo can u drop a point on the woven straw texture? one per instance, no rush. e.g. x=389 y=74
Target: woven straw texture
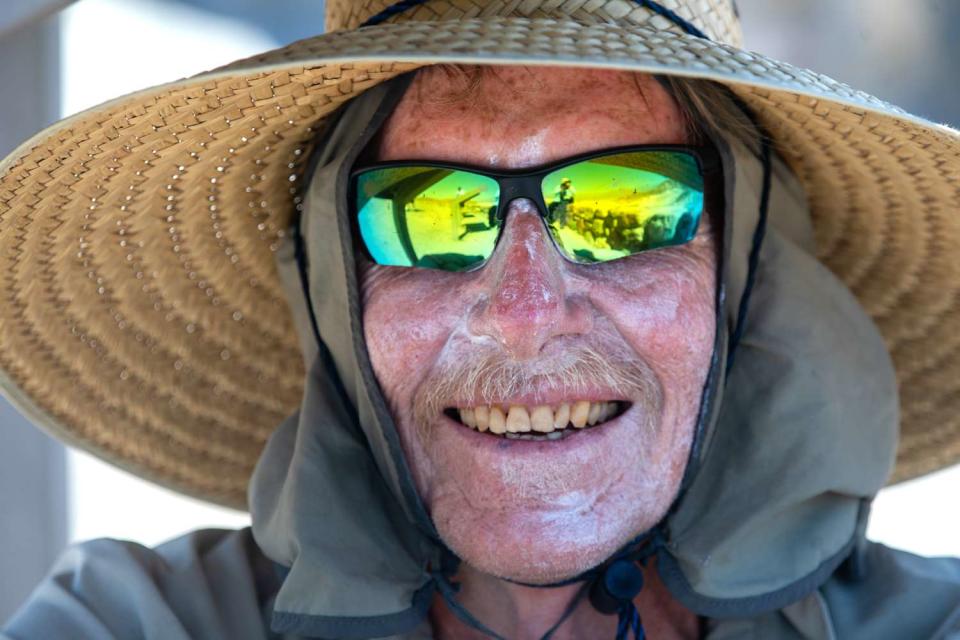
x=142 y=318
x=716 y=18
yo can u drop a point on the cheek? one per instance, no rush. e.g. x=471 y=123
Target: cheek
x=664 y=306
x=407 y=318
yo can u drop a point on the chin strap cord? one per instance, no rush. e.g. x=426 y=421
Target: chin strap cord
x=404 y=5
x=449 y=590
x=759 y=232
x=611 y=589
x=620 y=580
x=613 y=592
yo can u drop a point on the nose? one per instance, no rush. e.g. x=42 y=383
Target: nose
x=527 y=301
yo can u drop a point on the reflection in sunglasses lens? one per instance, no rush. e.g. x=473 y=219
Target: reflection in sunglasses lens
x=618 y=205
x=598 y=210
x=427 y=216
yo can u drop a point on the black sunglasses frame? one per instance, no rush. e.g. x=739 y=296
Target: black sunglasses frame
x=527 y=183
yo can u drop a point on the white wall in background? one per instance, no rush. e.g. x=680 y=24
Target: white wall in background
x=920 y=516
x=107 y=502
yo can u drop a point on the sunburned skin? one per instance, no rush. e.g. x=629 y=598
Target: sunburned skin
x=542 y=511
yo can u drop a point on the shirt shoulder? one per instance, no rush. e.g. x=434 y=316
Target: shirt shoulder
x=206 y=584
x=897 y=595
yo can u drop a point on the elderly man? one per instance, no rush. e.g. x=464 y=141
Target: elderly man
x=524 y=430
x=529 y=335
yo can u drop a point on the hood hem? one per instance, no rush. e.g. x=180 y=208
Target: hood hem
x=748 y=606
x=357 y=627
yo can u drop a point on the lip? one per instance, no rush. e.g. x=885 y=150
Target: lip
x=549 y=397
x=484 y=442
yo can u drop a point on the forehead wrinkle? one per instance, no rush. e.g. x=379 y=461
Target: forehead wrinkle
x=455 y=93
x=443 y=96
x=515 y=117
x=480 y=90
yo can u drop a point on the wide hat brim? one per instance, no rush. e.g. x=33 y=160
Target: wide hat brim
x=142 y=317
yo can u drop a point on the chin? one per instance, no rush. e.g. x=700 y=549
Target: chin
x=543 y=547
x=543 y=512
x=538 y=566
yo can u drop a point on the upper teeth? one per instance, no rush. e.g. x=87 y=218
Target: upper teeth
x=541 y=418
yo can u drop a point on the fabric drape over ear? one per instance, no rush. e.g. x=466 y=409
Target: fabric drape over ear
x=331 y=499
x=806 y=429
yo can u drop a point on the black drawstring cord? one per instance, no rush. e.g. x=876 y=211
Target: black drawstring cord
x=631 y=618
x=392 y=10
x=656 y=7
x=614 y=592
x=611 y=589
x=620 y=581
x=659 y=9
x=449 y=589
x=754 y=259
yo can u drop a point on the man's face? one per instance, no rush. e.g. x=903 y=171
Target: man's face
x=530 y=329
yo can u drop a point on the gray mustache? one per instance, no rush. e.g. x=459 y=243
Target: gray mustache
x=491 y=378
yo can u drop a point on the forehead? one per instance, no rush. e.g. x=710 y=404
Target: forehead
x=525 y=116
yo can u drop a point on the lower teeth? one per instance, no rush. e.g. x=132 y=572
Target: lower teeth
x=553 y=435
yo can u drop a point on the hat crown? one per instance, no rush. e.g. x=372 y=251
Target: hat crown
x=717 y=19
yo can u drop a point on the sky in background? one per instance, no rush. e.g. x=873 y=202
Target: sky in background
x=898 y=50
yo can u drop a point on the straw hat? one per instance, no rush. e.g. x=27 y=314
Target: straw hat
x=141 y=317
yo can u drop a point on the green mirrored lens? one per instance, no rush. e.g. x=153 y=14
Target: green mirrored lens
x=614 y=206
x=427 y=216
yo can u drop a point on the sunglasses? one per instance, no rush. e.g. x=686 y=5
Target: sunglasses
x=597 y=207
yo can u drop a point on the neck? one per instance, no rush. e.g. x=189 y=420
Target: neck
x=526 y=613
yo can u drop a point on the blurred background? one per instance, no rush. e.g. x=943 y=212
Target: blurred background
x=58 y=57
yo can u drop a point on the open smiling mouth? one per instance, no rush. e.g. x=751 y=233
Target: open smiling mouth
x=543 y=422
